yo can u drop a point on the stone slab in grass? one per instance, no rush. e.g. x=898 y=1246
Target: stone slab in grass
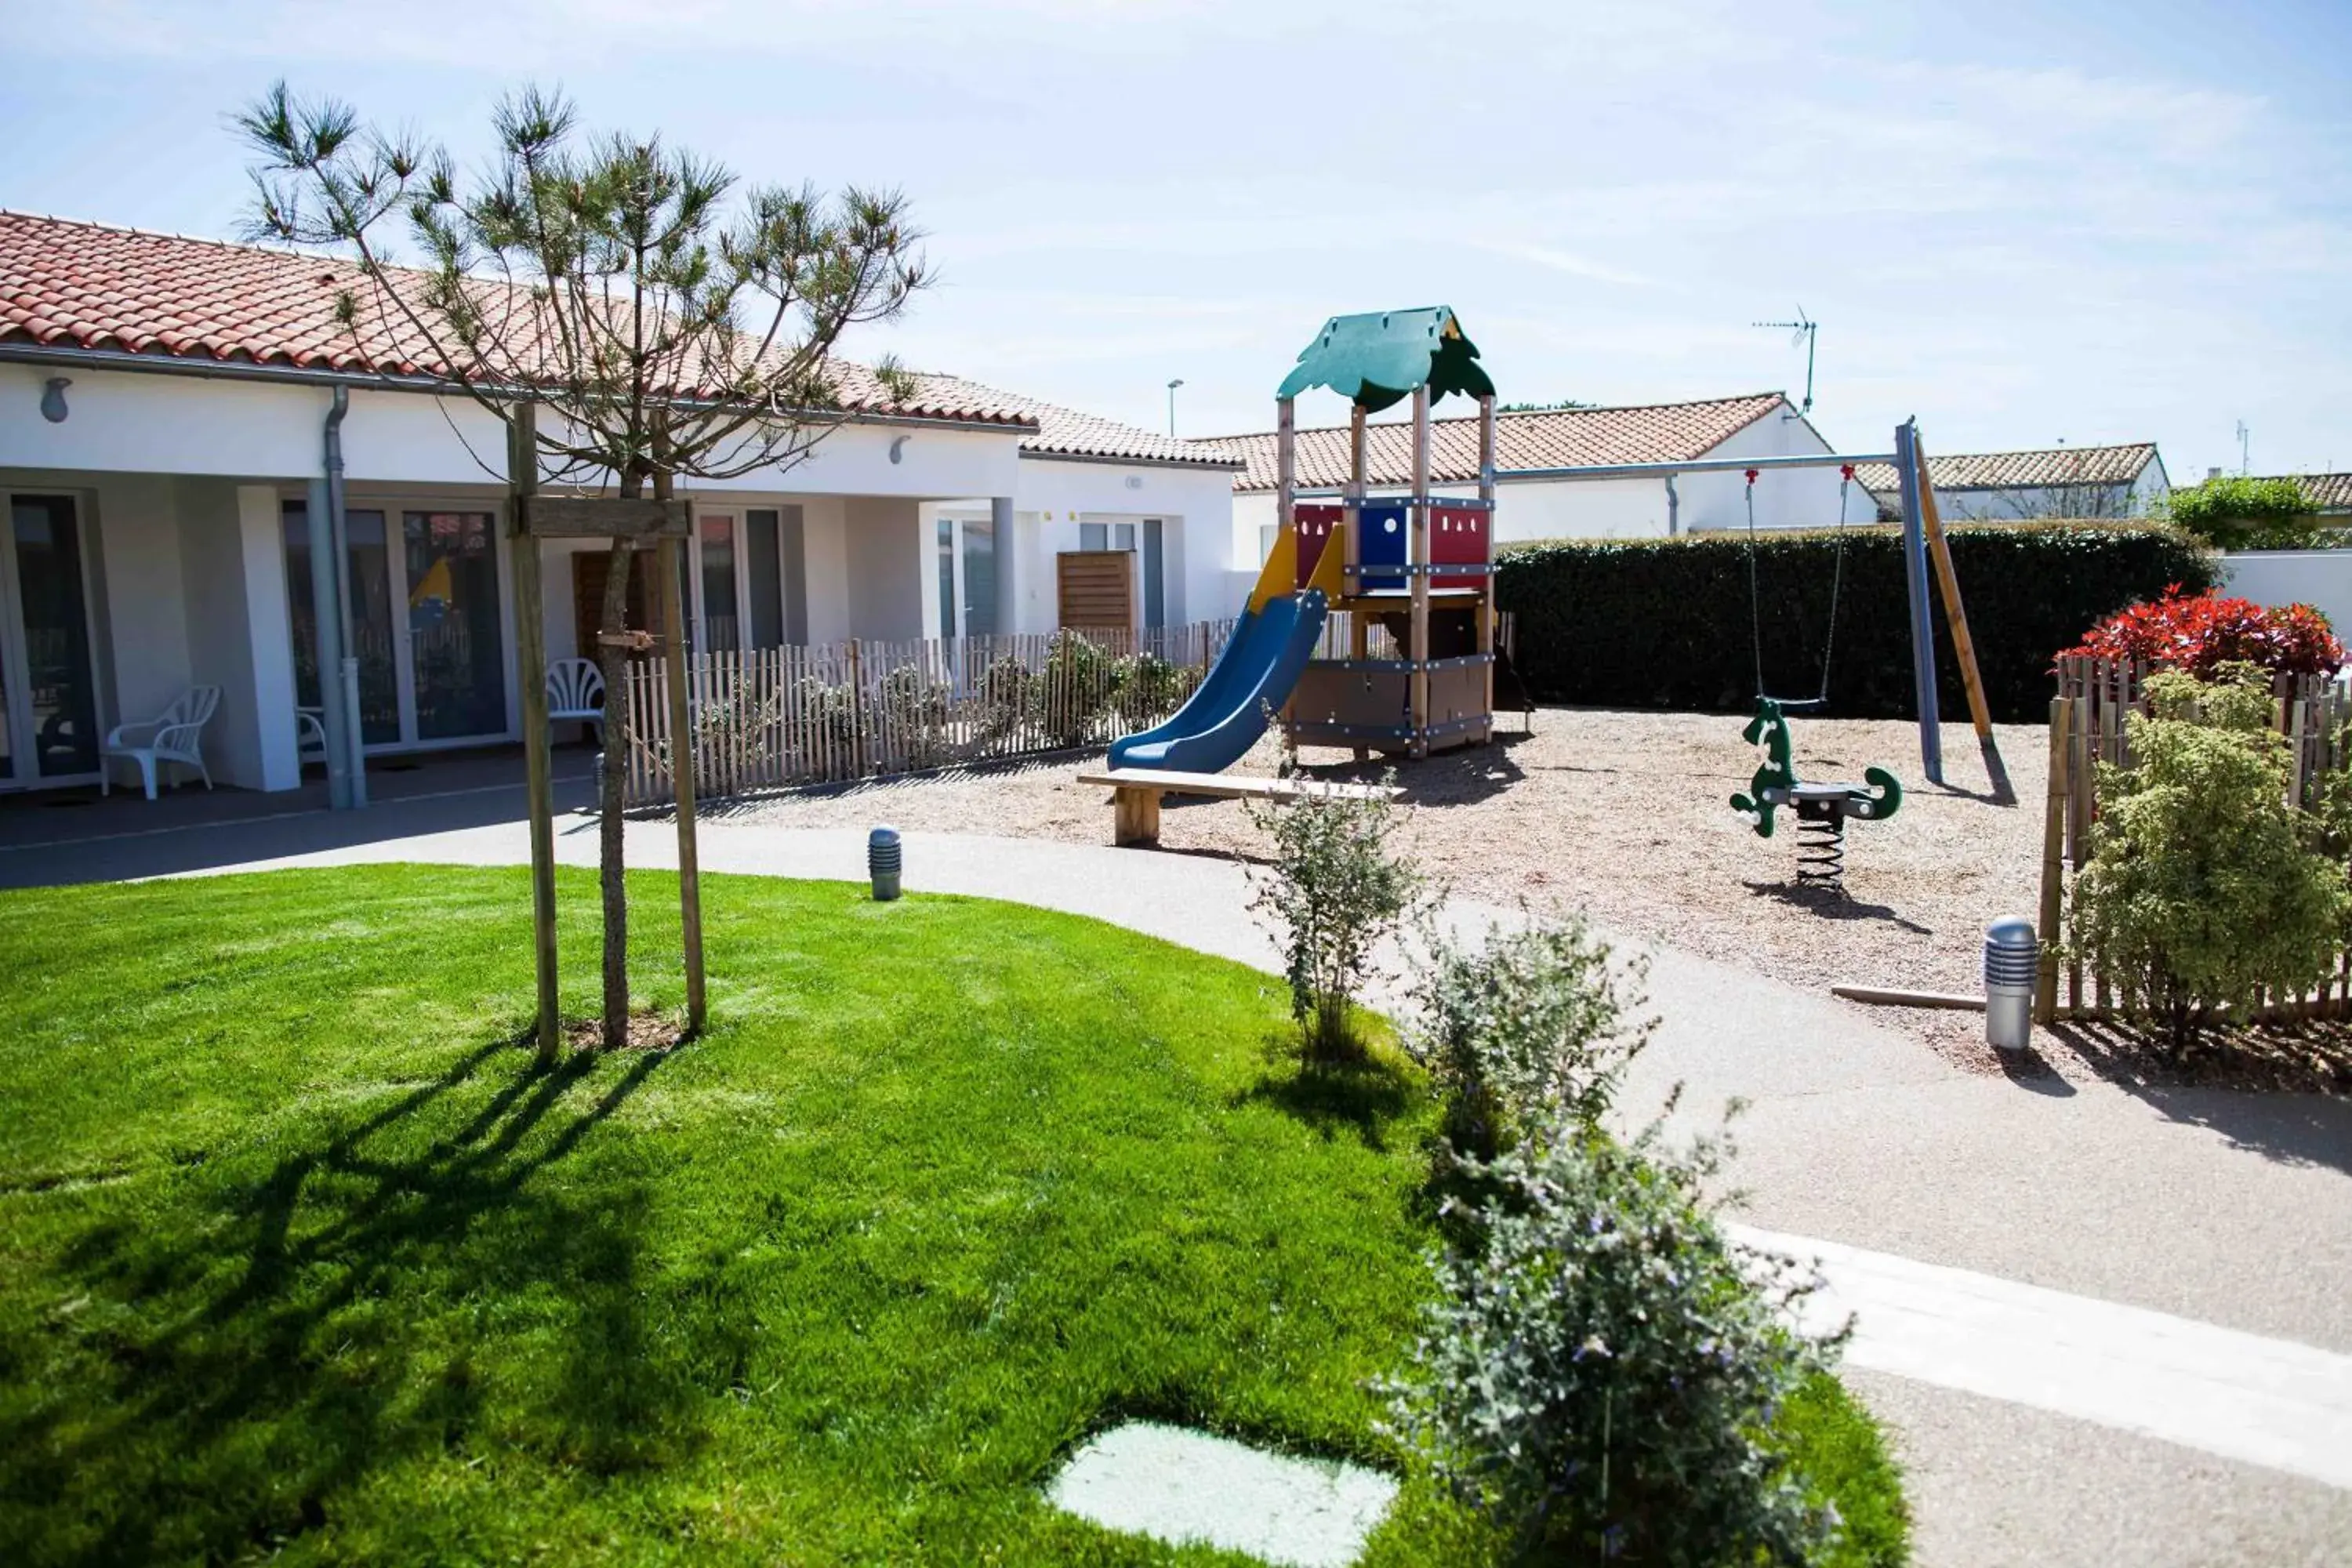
x=1184 y=1486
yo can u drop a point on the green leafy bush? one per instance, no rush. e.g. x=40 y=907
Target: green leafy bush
x=2234 y=513
x=1665 y=622
x=1602 y=1369
x=2203 y=888
x=1531 y=1022
x=1336 y=888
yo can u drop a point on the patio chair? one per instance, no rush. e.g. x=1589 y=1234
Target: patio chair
x=575 y=694
x=310 y=734
x=175 y=735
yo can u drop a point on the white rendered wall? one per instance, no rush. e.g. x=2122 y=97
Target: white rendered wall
x=233 y=567
x=2320 y=578
x=1199 y=544
x=146 y=604
x=135 y=422
x=1637 y=507
x=886 y=560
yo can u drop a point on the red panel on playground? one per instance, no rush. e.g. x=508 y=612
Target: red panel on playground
x=1457 y=537
x=1316 y=525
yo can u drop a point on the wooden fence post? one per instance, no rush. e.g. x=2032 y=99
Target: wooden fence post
x=2054 y=833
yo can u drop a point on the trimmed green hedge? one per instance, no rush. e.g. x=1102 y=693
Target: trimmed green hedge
x=1664 y=623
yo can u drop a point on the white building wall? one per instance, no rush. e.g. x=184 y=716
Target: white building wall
x=2276 y=578
x=1200 y=547
x=124 y=421
x=1527 y=509
x=233 y=572
x=886 y=562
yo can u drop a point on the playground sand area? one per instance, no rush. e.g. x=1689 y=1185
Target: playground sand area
x=1625 y=816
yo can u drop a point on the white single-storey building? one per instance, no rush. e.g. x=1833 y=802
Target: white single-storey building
x=1534 y=500
x=165 y=405
x=2014 y=486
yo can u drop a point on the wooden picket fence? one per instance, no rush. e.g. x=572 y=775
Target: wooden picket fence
x=769 y=718
x=2087 y=728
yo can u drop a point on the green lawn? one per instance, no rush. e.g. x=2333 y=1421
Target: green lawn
x=301 y=1254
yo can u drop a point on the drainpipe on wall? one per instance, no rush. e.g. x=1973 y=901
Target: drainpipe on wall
x=1673 y=509
x=319 y=513
x=355 y=762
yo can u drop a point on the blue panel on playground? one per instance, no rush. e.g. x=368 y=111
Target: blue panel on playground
x=1383 y=539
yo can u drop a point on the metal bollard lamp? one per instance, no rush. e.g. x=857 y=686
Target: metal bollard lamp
x=883 y=860
x=2012 y=963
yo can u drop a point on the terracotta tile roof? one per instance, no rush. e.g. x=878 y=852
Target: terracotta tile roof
x=1068 y=433
x=2056 y=466
x=1551 y=438
x=2328 y=493
x=71 y=285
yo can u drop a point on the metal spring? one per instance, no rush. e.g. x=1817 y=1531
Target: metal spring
x=1821 y=852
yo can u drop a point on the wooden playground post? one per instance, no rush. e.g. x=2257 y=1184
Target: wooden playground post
x=1419 y=570
x=2053 y=835
x=1352 y=523
x=1947 y=581
x=530 y=657
x=681 y=770
x=1486 y=585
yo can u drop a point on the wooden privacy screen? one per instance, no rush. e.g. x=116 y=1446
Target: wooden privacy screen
x=1096 y=589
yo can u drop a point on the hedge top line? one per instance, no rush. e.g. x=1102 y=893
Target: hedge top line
x=2087 y=528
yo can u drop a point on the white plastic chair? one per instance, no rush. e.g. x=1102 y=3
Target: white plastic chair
x=575 y=694
x=175 y=735
x=310 y=734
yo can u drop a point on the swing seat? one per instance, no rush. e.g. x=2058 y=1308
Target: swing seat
x=1815 y=801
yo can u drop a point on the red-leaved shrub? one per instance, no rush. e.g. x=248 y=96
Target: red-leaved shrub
x=2200 y=632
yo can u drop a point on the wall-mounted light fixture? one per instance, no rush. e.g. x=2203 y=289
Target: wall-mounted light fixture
x=53 y=399
x=897 y=444
x=1135 y=481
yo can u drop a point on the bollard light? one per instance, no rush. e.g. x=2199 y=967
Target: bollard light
x=883 y=860
x=2012 y=963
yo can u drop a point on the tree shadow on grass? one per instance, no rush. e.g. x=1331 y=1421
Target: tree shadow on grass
x=1362 y=1099
x=285 y=1326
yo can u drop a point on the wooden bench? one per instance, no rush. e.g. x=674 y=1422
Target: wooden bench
x=1135 y=800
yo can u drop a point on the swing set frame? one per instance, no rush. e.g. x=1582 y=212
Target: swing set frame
x=1926 y=551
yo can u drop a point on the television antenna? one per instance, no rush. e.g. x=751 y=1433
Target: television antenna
x=1801 y=330
x=2245 y=463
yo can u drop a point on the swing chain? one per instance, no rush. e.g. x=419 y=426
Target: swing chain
x=1837 y=586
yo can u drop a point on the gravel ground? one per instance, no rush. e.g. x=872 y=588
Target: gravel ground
x=1625 y=815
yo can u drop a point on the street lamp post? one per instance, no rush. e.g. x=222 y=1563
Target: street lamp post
x=1172 y=405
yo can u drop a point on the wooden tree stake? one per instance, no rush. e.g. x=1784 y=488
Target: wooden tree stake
x=530 y=658
x=681 y=774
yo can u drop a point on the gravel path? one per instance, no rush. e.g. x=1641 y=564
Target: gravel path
x=1625 y=815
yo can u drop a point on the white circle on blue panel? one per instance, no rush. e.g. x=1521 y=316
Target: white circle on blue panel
x=1389 y=526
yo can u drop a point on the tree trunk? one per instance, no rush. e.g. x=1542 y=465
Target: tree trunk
x=614 y=661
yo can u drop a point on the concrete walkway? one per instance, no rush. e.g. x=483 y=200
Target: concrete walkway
x=2202 y=1239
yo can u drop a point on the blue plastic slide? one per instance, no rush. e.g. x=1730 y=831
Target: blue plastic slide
x=1226 y=715
x=1271 y=645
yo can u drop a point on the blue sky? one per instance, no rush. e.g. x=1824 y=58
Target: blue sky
x=2024 y=223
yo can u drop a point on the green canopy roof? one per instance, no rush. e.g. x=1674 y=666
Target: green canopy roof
x=1378 y=358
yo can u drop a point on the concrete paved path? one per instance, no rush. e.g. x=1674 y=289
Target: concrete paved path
x=2203 y=1238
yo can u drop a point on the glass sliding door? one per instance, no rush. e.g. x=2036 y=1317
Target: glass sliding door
x=49 y=685
x=47 y=671
x=979 y=577
x=1155 y=592
x=455 y=650
x=373 y=641
x=722 y=627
